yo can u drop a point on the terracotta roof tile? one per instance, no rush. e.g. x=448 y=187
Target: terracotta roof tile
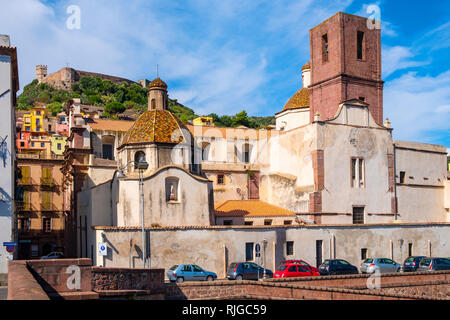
x=300 y=99
x=250 y=208
x=157 y=83
x=307 y=66
x=111 y=125
x=155 y=126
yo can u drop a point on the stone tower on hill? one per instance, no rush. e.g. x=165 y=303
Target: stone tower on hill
x=65 y=77
x=346 y=64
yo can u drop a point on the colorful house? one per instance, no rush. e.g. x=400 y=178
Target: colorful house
x=203 y=121
x=58 y=144
x=34 y=121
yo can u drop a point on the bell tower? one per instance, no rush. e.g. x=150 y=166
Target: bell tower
x=345 y=53
x=157 y=95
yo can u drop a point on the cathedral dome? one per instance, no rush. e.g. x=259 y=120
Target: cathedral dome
x=157 y=83
x=156 y=126
x=300 y=99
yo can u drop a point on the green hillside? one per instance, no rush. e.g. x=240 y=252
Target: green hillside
x=118 y=98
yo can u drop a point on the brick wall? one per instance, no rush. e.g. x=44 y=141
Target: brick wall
x=417 y=285
x=126 y=279
x=269 y=290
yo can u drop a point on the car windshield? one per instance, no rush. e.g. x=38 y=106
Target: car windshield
x=197 y=268
x=368 y=261
x=425 y=262
x=282 y=267
x=410 y=259
x=173 y=267
x=326 y=262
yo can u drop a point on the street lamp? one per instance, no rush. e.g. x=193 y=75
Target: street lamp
x=141 y=165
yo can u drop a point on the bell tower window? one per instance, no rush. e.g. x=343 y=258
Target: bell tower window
x=325 y=48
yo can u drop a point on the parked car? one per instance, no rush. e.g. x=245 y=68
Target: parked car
x=434 y=264
x=247 y=271
x=189 y=272
x=54 y=255
x=290 y=270
x=382 y=265
x=411 y=263
x=337 y=266
x=302 y=262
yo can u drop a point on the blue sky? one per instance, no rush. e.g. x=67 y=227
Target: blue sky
x=229 y=55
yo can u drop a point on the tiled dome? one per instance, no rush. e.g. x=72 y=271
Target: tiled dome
x=307 y=66
x=300 y=99
x=157 y=83
x=156 y=126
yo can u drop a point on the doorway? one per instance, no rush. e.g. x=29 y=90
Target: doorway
x=318 y=253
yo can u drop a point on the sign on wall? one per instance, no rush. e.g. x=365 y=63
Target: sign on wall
x=102 y=249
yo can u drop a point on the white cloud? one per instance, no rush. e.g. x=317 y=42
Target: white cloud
x=418 y=106
x=397 y=58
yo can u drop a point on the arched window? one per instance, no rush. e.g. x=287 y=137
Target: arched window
x=153 y=104
x=172 y=189
x=138 y=156
x=206 y=146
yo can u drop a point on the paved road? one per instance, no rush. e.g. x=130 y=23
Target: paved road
x=3 y=293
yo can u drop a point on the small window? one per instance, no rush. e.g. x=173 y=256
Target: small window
x=248 y=223
x=267 y=222
x=358 y=215
x=153 y=104
x=287 y=222
x=58 y=146
x=362 y=98
x=410 y=249
x=360 y=45
x=289 y=248
x=172 y=189
x=227 y=222
x=325 y=48
x=42 y=144
x=32 y=144
x=22 y=144
x=357 y=173
x=47 y=224
x=363 y=253
x=248 y=251
x=220 y=179
x=402 y=176
x=27 y=128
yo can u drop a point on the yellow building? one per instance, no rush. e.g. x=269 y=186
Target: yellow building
x=58 y=144
x=203 y=121
x=34 y=121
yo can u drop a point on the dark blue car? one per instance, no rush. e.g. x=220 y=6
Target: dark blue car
x=247 y=271
x=411 y=264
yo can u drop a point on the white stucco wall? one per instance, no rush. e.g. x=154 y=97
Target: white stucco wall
x=291 y=119
x=421 y=195
x=215 y=248
x=193 y=207
x=7 y=155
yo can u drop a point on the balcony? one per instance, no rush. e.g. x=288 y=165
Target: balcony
x=24 y=206
x=25 y=181
x=47 y=182
x=47 y=206
x=41 y=155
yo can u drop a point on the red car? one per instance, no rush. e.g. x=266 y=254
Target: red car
x=290 y=270
x=301 y=262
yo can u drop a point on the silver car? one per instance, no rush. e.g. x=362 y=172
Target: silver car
x=382 y=265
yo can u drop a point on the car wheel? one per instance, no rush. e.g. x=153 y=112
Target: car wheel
x=180 y=279
x=209 y=278
x=239 y=277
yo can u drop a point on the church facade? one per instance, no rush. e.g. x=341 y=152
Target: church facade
x=331 y=159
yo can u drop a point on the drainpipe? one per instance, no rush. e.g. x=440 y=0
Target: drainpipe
x=395 y=188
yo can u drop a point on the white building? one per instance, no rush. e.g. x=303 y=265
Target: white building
x=9 y=85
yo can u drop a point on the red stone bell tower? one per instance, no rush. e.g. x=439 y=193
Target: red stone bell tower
x=345 y=64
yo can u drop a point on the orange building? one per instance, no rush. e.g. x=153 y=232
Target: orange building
x=40 y=218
